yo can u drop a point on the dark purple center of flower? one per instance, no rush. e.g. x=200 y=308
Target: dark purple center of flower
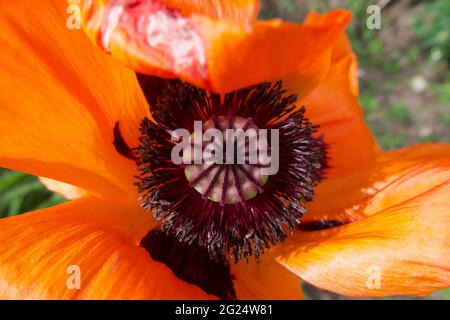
x=230 y=210
x=228 y=181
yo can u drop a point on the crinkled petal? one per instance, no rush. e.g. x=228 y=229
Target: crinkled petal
x=217 y=54
x=402 y=243
x=43 y=252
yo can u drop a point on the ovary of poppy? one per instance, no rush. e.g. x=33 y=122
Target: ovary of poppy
x=58 y=119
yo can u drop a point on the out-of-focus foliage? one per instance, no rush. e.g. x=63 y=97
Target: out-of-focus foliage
x=20 y=193
x=432 y=26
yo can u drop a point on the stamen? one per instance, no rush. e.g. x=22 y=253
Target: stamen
x=231 y=210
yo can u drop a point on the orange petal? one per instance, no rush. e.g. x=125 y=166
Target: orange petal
x=265 y=280
x=333 y=105
x=365 y=191
x=272 y=50
x=66 y=190
x=60 y=99
x=219 y=55
x=42 y=253
x=308 y=76
x=341 y=46
x=239 y=11
x=402 y=247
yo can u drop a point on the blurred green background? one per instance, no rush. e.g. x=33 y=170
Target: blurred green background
x=404 y=86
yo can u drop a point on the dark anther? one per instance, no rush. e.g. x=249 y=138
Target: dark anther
x=191 y=263
x=120 y=144
x=321 y=225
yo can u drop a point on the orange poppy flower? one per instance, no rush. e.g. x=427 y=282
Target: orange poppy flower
x=74 y=115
